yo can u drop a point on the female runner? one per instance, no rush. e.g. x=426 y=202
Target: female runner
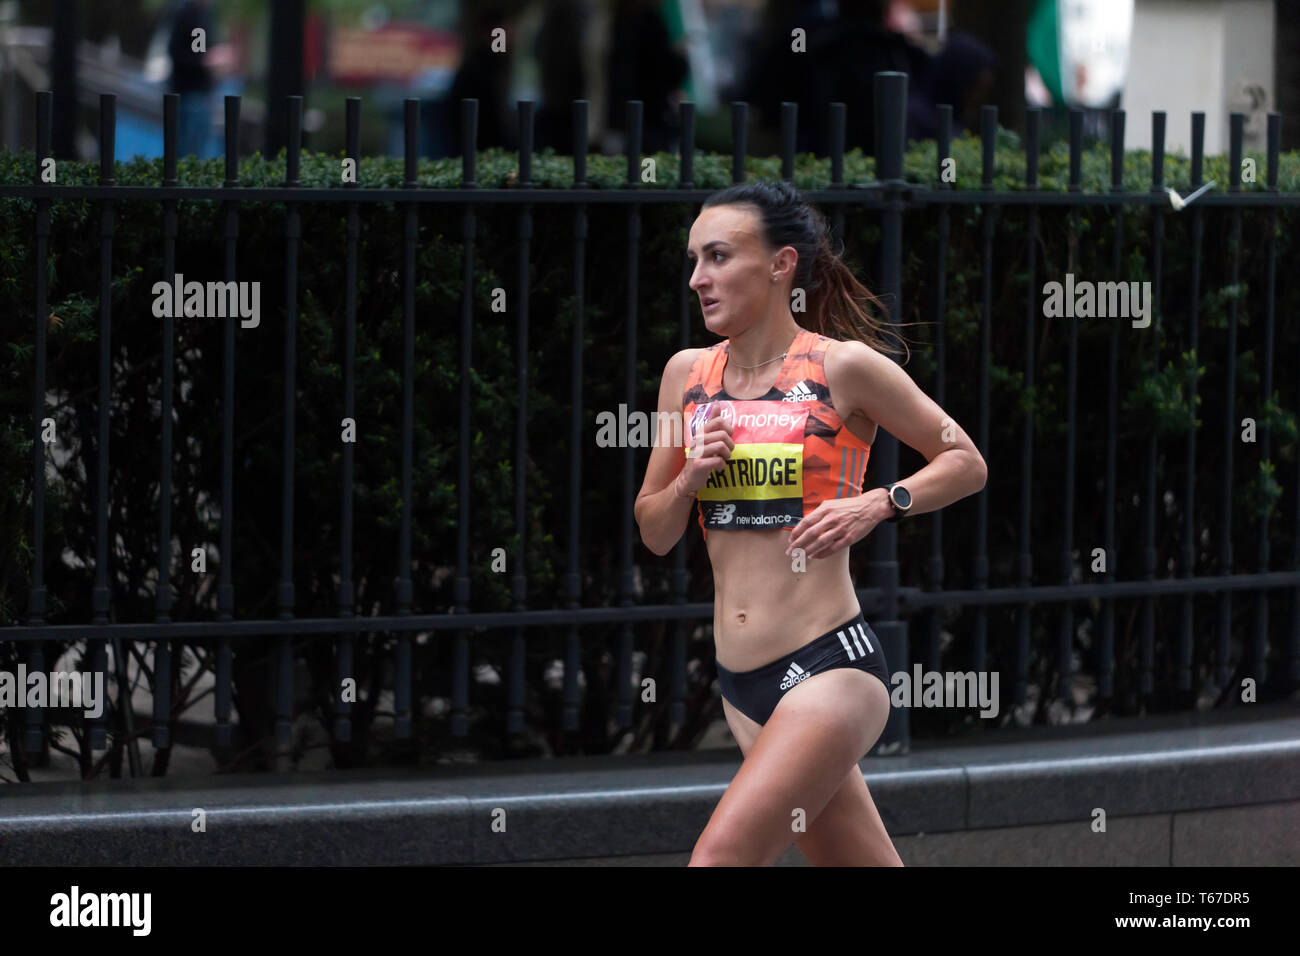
x=780 y=417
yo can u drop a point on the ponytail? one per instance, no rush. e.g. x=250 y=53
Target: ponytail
x=839 y=306
x=843 y=308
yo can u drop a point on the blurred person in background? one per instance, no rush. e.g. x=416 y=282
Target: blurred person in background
x=559 y=49
x=644 y=65
x=485 y=75
x=192 y=74
x=845 y=46
x=961 y=76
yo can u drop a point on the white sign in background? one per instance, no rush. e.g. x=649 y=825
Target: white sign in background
x=1094 y=45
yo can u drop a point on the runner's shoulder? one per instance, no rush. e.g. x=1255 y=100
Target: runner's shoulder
x=678 y=367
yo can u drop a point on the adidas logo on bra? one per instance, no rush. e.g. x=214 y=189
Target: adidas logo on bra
x=800 y=393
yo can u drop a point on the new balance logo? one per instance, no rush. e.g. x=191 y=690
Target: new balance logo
x=800 y=393
x=859 y=636
x=793 y=675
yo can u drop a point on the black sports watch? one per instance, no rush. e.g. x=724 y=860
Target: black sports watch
x=900 y=498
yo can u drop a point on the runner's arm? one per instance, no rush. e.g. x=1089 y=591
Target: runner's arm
x=661 y=510
x=865 y=380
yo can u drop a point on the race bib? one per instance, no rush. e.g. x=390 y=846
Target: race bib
x=761 y=485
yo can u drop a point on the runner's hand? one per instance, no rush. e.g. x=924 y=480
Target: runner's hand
x=834 y=524
x=711 y=446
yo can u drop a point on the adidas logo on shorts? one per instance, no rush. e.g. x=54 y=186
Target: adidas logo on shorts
x=793 y=675
x=800 y=393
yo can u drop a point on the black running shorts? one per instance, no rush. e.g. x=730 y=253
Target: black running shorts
x=756 y=693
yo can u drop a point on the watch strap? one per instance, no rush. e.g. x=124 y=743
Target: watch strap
x=897 y=515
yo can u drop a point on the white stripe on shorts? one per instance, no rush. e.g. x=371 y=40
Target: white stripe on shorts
x=847 y=649
x=863 y=632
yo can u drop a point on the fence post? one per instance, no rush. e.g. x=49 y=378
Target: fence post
x=101 y=595
x=33 y=739
x=890 y=114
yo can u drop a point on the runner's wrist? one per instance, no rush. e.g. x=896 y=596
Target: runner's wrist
x=677 y=491
x=883 y=508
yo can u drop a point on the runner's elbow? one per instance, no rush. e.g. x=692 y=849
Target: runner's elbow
x=656 y=544
x=639 y=519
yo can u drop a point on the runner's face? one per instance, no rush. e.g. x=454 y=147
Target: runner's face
x=729 y=265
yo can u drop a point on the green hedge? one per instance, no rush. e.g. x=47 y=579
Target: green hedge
x=1154 y=367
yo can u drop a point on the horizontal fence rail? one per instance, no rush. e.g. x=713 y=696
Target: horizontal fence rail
x=888 y=602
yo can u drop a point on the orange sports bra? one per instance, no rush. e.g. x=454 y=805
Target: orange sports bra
x=792 y=450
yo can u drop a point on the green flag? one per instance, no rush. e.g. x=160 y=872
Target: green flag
x=1043 y=46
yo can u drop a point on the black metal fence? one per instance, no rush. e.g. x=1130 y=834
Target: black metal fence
x=888 y=603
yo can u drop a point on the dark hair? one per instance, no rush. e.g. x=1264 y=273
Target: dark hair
x=839 y=306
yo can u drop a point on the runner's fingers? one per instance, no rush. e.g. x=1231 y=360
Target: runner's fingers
x=831 y=536
x=708 y=444
x=825 y=545
x=719 y=435
x=843 y=538
x=718 y=447
x=807 y=530
x=813 y=548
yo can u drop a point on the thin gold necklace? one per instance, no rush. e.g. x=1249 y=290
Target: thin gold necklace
x=769 y=361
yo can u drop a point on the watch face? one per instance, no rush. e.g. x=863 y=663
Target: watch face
x=902 y=498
